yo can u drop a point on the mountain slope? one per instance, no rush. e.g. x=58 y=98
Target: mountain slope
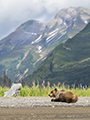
x=69 y=62
x=23 y=50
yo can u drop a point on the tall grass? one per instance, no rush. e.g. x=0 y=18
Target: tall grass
x=35 y=90
x=42 y=90
x=2 y=90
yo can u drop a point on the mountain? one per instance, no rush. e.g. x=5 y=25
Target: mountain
x=68 y=63
x=23 y=50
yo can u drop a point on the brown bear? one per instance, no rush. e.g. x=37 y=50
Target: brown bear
x=63 y=96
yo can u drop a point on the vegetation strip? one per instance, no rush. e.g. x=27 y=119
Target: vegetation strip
x=42 y=90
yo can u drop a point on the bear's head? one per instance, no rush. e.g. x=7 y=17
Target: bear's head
x=53 y=93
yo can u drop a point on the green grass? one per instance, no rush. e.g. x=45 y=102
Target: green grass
x=37 y=90
x=2 y=90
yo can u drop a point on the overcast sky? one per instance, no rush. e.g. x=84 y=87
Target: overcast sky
x=15 y=12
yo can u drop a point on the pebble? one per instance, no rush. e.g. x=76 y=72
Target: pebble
x=18 y=102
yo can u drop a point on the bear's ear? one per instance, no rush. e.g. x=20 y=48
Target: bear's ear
x=56 y=89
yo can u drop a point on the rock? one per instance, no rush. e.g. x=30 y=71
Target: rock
x=14 y=90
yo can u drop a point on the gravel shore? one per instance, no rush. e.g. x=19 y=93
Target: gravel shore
x=41 y=108
x=19 y=102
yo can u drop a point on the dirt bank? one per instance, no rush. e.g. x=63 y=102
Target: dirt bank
x=45 y=113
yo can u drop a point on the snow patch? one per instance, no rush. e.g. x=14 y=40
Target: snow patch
x=37 y=40
x=29 y=33
x=50 y=37
x=53 y=31
x=34 y=33
x=86 y=22
x=64 y=23
x=39 y=49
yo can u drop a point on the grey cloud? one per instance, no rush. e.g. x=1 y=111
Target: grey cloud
x=15 y=12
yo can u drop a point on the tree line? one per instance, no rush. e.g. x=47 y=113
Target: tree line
x=5 y=81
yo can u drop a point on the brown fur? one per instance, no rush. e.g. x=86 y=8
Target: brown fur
x=63 y=96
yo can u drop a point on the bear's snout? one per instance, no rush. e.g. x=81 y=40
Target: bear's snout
x=50 y=95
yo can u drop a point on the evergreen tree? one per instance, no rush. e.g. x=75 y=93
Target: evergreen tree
x=5 y=81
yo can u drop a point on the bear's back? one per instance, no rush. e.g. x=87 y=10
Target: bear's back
x=68 y=97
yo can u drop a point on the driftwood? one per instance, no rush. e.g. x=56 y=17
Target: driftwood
x=14 y=90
